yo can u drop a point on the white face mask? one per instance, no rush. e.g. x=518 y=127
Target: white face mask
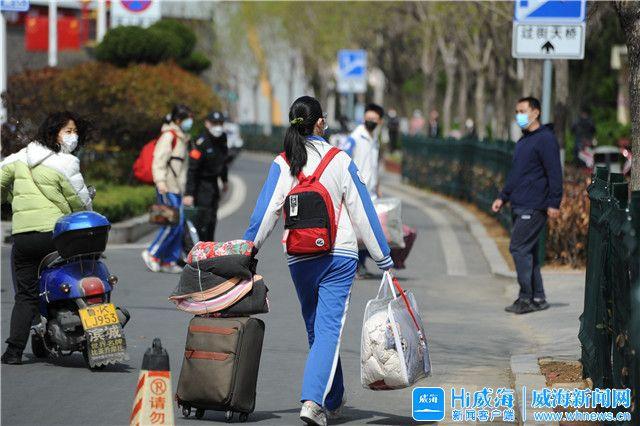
x=69 y=142
x=216 y=131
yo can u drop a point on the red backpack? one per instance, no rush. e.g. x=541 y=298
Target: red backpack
x=142 y=167
x=309 y=218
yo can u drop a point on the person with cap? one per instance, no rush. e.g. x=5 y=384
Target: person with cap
x=207 y=164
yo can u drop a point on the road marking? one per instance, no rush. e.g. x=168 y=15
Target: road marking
x=456 y=265
x=238 y=194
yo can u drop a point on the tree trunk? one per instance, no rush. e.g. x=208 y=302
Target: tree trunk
x=532 y=83
x=480 y=105
x=560 y=109
x=463 y=95
x=428 y=67
x=448 y=53
x=501 y=105
x=629 y=14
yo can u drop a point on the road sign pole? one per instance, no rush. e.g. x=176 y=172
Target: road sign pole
x=53 y=33
x=101 y=29
x=3 y=65
x=547 y=77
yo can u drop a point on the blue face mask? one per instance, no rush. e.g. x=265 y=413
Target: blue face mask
x=523 y=120
x=187 y=124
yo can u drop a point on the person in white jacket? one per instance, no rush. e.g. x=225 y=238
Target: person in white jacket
x=364 y=147
x=170 y=176
x=323 y=282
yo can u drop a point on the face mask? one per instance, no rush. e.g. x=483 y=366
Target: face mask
x=216 y=131
x=370 y=125
x=69 y=142
x=523 y=120
x=187 y=124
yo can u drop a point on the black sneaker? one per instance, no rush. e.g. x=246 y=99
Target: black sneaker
x=540 y=304
x=520 y=306
x=11 y=357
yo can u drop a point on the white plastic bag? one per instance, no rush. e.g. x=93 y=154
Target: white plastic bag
x=389 y=211
x=394 y=352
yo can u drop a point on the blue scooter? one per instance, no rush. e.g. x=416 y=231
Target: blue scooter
x=75 y=295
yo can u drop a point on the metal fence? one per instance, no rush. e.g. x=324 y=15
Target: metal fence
x=610 y=322
x=467 y=169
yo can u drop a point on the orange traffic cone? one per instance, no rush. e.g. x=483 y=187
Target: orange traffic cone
x=153 y=404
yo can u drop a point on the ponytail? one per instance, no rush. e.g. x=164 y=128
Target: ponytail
x=303 y=116
x=295 y=150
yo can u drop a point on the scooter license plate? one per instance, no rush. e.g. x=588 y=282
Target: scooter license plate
x=98 y=316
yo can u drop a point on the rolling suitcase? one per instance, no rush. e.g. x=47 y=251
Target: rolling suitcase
x=220 y=366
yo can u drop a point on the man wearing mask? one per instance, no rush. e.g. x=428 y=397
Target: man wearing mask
x=534 y=189
x=364 y=148
x=207 y=164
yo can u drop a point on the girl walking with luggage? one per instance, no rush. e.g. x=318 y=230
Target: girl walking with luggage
x=170 y=176
x=312 y=183
x=43 y=183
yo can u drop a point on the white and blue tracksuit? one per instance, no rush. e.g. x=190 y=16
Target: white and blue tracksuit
x=364 y=149
x=167 y=246
x=323 y=282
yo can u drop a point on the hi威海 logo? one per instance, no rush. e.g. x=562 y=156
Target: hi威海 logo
x=428 y=404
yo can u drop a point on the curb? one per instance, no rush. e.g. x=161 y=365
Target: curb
x=526 y=372
x=497 y=264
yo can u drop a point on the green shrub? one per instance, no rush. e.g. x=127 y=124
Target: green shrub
x=166 y=40
x=610 y=132
x=196 y=62
x=120 y=202
x=125 y=105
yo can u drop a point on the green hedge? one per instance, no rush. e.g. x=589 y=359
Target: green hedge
x=120 y=202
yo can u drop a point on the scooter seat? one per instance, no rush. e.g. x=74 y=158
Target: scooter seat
x=49 y=261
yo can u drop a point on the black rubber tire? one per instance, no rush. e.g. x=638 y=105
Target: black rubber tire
x=199 y=413
x=243 y=417
x=186 y=411
x=228 y=416
x=85 y=355
x=38 y=347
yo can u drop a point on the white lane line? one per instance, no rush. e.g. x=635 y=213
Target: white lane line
x=238 y=194
x=456 y=265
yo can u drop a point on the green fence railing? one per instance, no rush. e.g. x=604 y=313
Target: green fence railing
x=610 y=320
x=467 y=169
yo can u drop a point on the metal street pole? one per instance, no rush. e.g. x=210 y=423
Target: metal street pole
x=546 y=118
x=3 y=65
x=53 y=33
x=102 y=20
x=547 y=77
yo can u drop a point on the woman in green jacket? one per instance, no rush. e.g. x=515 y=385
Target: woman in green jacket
x=43 y=183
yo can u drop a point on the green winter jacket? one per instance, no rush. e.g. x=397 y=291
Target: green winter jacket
x=42 y=186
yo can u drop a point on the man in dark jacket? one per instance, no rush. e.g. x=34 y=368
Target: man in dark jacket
x=207 y=164
x=534 y=189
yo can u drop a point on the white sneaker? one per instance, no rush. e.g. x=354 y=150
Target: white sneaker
x=152 y=264
x=337 y=413
x=313 y=414
x=171 y=268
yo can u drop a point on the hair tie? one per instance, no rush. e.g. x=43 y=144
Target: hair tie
x=297 y=120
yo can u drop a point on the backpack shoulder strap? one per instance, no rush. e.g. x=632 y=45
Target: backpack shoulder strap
x=325 y=162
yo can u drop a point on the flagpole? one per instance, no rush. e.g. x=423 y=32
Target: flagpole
x=53 y=33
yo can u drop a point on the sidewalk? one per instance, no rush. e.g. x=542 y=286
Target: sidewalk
x=550 y=333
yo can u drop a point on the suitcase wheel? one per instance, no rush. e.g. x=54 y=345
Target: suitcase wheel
x=186 y=411
x=199 y=413
x=228 y=416
x=243 y=417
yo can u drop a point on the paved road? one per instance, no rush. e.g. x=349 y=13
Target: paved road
x=471 y=337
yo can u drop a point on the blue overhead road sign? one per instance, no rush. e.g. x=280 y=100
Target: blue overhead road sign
x=352 y=71
x=550 y=11
x=14 y=5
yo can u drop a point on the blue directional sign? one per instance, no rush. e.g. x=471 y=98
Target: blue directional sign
x=14 y=5
x=550 y=11
x=352 y=71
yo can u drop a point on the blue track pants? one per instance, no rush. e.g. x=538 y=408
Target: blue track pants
x=324 y=286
